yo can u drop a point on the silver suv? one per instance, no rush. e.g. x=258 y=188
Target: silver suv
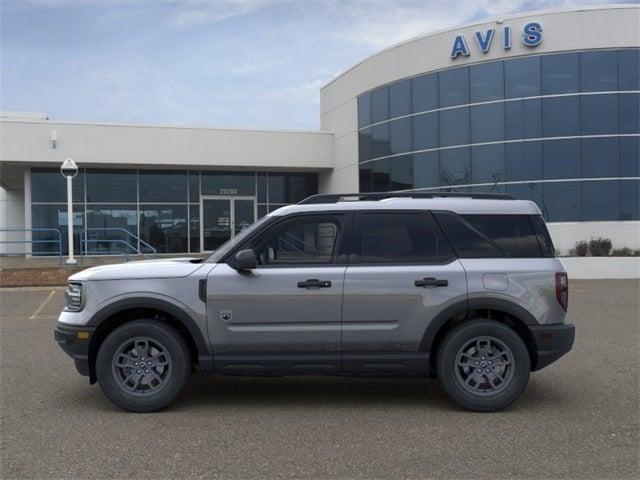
x=465 y=288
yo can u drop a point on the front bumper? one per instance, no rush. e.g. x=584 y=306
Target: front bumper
x=552 y=342
x=75 y=340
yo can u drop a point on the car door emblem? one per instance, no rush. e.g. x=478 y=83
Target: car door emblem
x=226 y=315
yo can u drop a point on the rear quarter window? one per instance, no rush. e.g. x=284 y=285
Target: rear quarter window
x=491 y=236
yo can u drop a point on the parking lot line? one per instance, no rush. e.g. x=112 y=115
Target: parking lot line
x=35 y=314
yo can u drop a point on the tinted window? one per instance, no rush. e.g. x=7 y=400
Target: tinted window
x=562 y=201
x=599 y=114
x=380 y=141
x=560 y=73
x=561 y=116
x=163 y=187
x=467 y=241
x=228 y=183
x=630 y=157
x=194 y=186
x=48 y=185
x=364 y=144
x=426 y=169
x=629 y=113
x=523 y=161
x=111 y=186
x=601 y=200
x=544 y=239
x=629 y=204
x=400 y=99
x=406 y=237
x=261 y=185
x=194 y=227
x=513 y=234
x=300 y=242
x=454 y=87
x=561 y=159
x=523 y=119
x=291 y=188
x=487 y=82
x=165 y=227
x=425 y=131
x=380 y=175
x=54 y=217
x=487 y=164
x=400 y=135
x=598 y=71
x=629 y=69
x=454 y=127
x=600 y=157
x=424 y=93
x=364 y=110
x=401 y=172
x=455 y=168
x=487 y=123
x=380 y=105
x=522 y=77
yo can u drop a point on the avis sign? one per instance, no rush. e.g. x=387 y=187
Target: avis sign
x=531 y=37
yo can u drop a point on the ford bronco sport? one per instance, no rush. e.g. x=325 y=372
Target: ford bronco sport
x=463 y=287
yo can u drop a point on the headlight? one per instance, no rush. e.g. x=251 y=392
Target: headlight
x=73 y=297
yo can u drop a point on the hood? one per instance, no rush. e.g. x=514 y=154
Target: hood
x=162 y=268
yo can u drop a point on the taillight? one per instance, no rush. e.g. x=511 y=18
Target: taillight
x=562 y=289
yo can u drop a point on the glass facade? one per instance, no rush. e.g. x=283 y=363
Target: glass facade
x=160 y=207
x=559 y=129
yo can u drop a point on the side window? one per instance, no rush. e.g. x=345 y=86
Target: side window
x=468 y=242
x=299 y=242
x=401 y=237
x=544 y=239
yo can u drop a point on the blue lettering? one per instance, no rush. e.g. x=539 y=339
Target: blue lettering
x=532 y=34
x=484 y=42
x=506 y=38
x=459 y=47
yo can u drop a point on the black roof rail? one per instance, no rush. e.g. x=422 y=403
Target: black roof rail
x=357 y=197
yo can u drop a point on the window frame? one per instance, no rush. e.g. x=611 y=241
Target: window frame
x=355 y=240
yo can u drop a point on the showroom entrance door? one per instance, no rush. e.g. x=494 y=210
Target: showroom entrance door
x=221 y=218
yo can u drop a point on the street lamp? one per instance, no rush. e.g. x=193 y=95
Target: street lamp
x=69 y=169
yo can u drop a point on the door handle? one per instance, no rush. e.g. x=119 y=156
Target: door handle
x=314 y=283
x=431 y=282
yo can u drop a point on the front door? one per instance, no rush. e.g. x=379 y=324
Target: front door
x=285 y=315
x=221 y=218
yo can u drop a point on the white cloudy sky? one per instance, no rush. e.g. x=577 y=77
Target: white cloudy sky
x=247 y=63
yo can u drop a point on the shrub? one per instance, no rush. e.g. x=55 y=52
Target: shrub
x=581 y=248
x=600 y=247
x=625 y=252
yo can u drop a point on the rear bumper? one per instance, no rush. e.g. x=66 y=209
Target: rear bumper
x=75 y=342
x=552 y=342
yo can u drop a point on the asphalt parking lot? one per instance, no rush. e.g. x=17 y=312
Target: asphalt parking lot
x=578 y=418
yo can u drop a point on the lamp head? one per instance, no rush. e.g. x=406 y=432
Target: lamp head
x=69 y=168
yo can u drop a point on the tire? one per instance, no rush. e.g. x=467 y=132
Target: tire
x=460 y=358
x=140 y=383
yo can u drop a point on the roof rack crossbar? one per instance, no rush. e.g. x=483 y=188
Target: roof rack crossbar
x=356 y=197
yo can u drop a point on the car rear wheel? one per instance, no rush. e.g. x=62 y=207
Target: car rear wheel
x=143 y=365
x=483 y=365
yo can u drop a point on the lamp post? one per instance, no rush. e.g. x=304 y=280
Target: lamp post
x=69 y=169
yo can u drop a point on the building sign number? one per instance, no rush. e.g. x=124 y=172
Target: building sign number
x=531 y=37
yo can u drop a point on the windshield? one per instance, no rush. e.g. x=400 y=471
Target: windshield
x=233 y=242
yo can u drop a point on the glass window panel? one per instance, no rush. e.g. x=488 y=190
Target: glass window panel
x=194 y=186
x=523 y=161
x=487 y=123
x=381 y=170
x=401 y=238
x=426 y=169
x=630 y=199
x=599 y=71
x=468 y=243
x=165 y=227
x=560 y=73
x=49 y=186
x=562 y=201
x=111 y=222
x=291 y=187
x=561 y=116
x=629 y=113
x=487 y=164
x=400 y=98
x=629 y=70
x=513 y=234
x=600 y=157
x=380 y=105
x=400 y=135
x=223 y=183
x=364 y=110
x=522 y=77
x=454 y=127
x=194 y=228
x=112 y=186
x=262 y=211
x=365 y=145
x=601 y=200
x=455 y=166
x=366 y=177
x=273 y=207
x=425 y=131
x=53 y=216
x=163 y=186
x=561 y=159
x=424 y=92
x=526 y=191
x=630 y=156
x=261 y=184
x=523 y=119
x=487 y=81
x=599 y=114
x=401 y=172
x=453 y=87
x=380 y=141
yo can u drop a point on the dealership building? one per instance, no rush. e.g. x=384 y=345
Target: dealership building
x=543 y=106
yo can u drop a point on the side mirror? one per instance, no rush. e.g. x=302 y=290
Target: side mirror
x=245 y=260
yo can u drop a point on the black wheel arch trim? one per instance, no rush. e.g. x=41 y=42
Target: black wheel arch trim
x=205 y=358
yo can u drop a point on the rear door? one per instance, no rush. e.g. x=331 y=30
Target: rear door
x=401 y=274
